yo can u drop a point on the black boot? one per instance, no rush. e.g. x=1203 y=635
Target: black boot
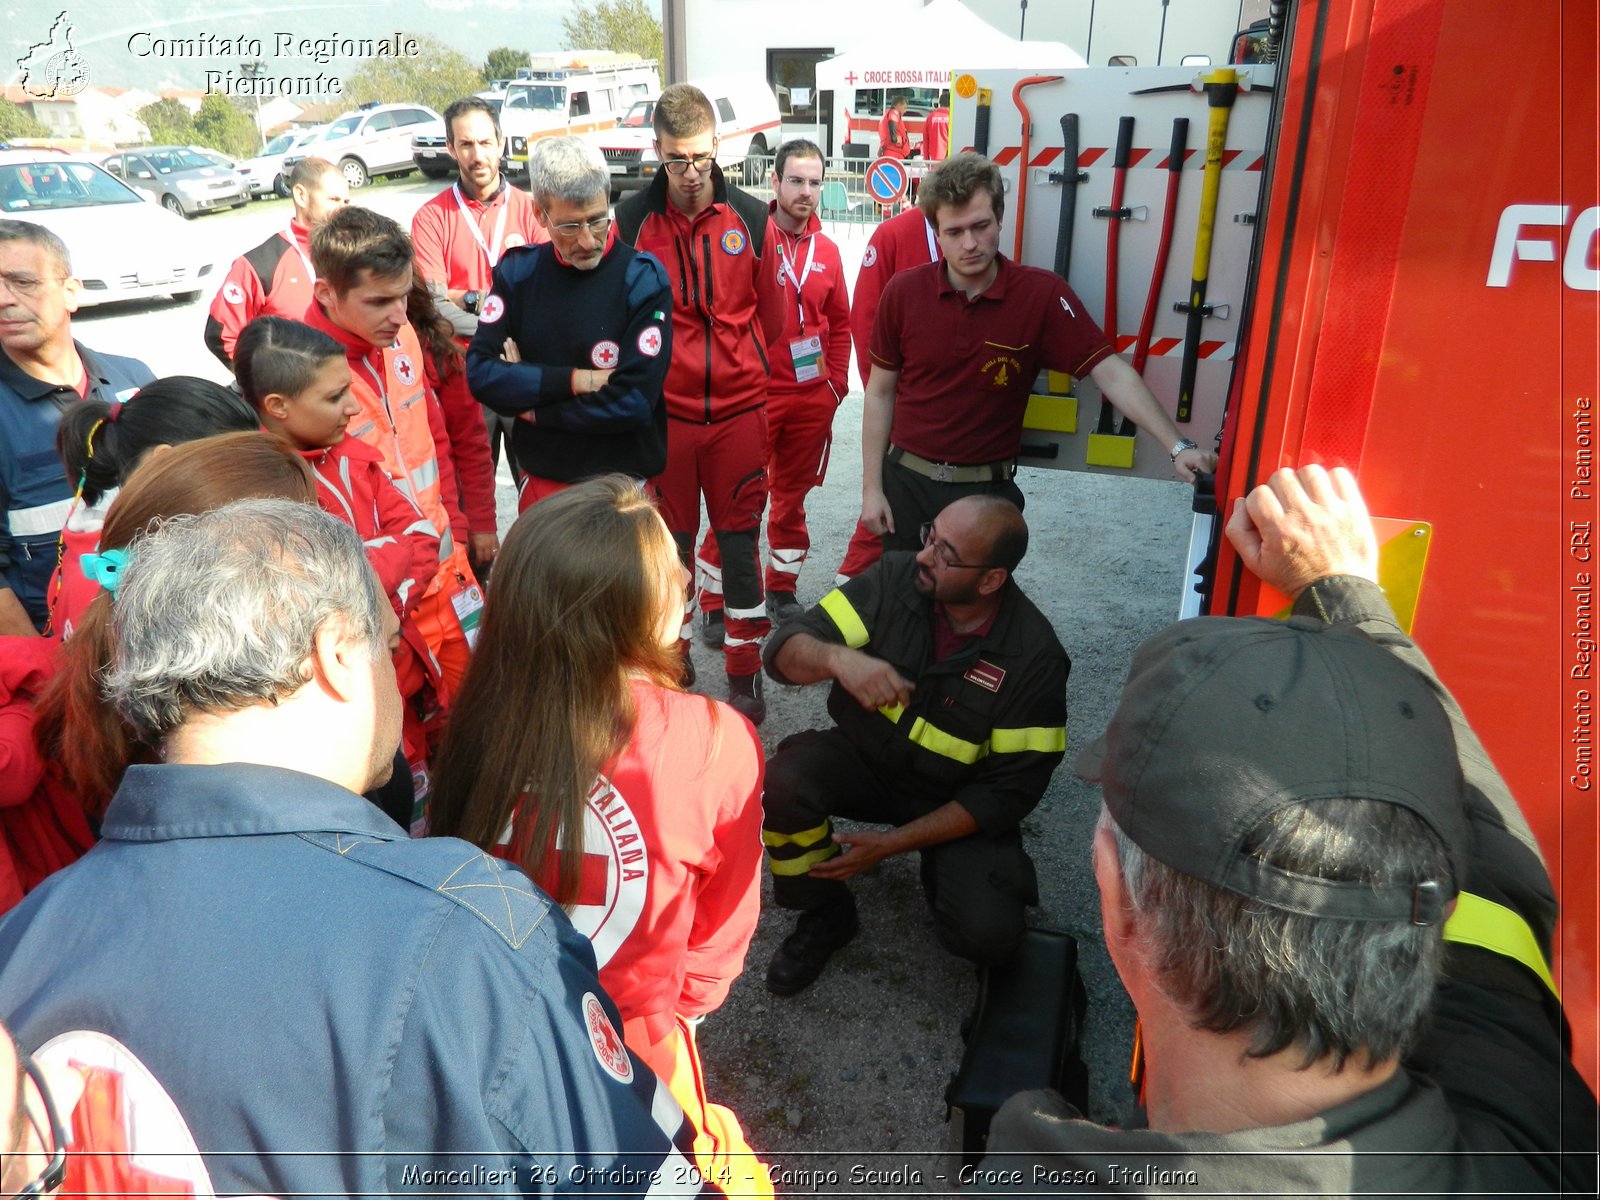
x=806 y=951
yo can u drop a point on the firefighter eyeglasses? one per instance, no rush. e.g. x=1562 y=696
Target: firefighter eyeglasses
x=944 y=553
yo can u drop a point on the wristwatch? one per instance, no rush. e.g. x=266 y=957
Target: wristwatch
x=1179 y=447
x=471 y=301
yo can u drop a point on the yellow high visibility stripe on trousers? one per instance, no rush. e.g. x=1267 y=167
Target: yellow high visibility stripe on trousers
x=1491 y=926
x=845 y=619
x=806 y=837
x=801 y=865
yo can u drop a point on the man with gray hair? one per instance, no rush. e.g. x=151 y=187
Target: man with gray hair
x=42 y=371
x=575 y=336
x=1330 y=915
x=335 y=1008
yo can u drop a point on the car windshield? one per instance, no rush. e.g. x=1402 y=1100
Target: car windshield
x=545 y=97
x=279 y=144
x=310 y=135
x=639 y=115
x=167 y=161
x=30 y=187
x=341 y=127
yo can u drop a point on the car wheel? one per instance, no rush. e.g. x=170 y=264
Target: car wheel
x=754 y=159
x=355 y=172
x=172 y=204
x=280 y=187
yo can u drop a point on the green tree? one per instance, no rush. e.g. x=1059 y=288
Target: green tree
x=168 y=122
x=503 y=62
x=223 y=125
x=615 y=25
x=16 y=123
x=435 y=77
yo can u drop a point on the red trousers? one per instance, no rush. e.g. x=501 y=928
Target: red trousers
x=725 y=462
x=534 y=488
x=799 y=438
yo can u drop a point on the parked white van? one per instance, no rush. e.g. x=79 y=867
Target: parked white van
x=571 y=92
x=747 y=128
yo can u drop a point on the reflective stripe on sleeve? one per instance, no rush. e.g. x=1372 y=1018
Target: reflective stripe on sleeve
x=1490 y=926
x=845 y=619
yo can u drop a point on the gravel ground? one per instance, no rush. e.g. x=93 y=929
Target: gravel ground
x=849 y=1076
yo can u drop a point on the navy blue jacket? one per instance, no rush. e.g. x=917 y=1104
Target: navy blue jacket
x=301 y=976
x=616 y=317
x=34 y=489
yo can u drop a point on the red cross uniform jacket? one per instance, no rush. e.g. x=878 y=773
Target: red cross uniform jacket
x=816 y=303
x=273 y=280
x=726 y=307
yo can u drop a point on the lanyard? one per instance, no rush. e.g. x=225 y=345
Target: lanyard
x=493 y=255
x=800 y=279
x=933 y=246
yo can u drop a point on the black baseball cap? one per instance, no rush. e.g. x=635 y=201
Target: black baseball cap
x=1223 y=720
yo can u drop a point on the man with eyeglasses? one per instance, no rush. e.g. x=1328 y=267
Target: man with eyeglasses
x=42 y=371
x=810 y=373
x=949 y=700
x=727 y=322
x=575 y=335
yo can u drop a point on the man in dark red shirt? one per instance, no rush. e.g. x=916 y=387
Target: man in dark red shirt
x=726 y=311
x=955 y=350
x=274 y=279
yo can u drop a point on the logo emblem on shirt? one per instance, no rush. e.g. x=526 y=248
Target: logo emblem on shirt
x=783 y=276
x=986 y=675
x=1070 y=311
x=513 y=240
x=233 y=293
x=733 y=242
x=605 y=355
x=870 y=257
x=404 y=371
x=1004 y=369
x=650 y=342
x=608 y=1047
x=493 y=309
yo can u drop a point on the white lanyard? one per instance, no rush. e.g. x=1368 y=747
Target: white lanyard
x=933 y=246
x=799 y=280
x=289 y=236
x=493 y=255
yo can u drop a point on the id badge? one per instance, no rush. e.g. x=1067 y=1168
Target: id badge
x=807 y=355
x=469 y=612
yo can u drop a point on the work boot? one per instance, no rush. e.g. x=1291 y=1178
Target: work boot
x=782 y=606
x=744 y=696
x=806 y=951
x=712 y=629
x=686 y=679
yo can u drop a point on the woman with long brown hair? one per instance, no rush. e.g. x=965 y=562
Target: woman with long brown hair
x=572 y=752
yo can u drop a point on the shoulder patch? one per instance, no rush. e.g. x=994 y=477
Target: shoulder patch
x=603 y=1038
x=604 y=355
x=503 y=897
x=650 y=342
x=493 y=309
x=870 y=257
x=232 y=293
x=733 y=241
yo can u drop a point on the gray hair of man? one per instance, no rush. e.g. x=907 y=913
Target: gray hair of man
x=567 y=169
x=219 y=612
x=1330 y=987
x=37 y=235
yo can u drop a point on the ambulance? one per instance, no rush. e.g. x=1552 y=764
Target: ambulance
x=570 y=92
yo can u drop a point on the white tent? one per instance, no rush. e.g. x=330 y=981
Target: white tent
x=922 y=51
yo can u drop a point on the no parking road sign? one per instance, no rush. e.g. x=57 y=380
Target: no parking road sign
x=887 y=179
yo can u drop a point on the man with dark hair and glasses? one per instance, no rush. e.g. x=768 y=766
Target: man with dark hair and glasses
x=727 y=323
x=950 y=705
x=575 y=335
x=42 y=372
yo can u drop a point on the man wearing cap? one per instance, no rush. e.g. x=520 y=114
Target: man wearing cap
x=1331 y=917
x=950 y=702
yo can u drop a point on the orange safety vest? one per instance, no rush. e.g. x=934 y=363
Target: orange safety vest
x=394 y=421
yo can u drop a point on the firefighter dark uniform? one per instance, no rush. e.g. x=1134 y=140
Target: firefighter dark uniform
x=986 y=728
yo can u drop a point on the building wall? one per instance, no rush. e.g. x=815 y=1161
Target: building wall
x=732 y=36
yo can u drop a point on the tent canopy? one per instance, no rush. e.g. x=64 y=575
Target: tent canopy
x=921 y=52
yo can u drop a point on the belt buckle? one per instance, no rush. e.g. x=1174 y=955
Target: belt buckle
x=943 y=472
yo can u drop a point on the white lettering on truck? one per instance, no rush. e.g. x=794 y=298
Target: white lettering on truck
x=1510 y=246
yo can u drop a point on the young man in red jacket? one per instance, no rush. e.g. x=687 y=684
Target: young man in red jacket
x=810 y=371
x=726 y=312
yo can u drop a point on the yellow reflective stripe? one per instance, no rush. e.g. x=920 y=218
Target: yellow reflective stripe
x=893 y=711
x=806 y=837
x=946 y=745
x=799 y=866
x=1491 y=926
x=1040 y=739
x=844 y=617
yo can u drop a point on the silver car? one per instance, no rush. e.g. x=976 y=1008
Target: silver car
x=181 y=180
x=265 y=173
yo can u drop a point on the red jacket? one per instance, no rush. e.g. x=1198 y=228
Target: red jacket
x=894 y=139
x=672 y=859
x=810 y=264
x=899 y=243
x=469 y=445
x=726 y=307
x=42 y=827
x=274 y=280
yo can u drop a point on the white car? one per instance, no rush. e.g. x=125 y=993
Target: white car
x=123 y=246
x=375 y=140
x=265 y=174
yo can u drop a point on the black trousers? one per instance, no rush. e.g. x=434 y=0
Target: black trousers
x=977 y=886
x=915 y=498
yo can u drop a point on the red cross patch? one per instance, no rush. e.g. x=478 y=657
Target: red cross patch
x=404 y=371
x=233 y=293
x=605 y=355
x=608 y=1047
x=493 y=309
x=650 y=342
x=870 y=257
